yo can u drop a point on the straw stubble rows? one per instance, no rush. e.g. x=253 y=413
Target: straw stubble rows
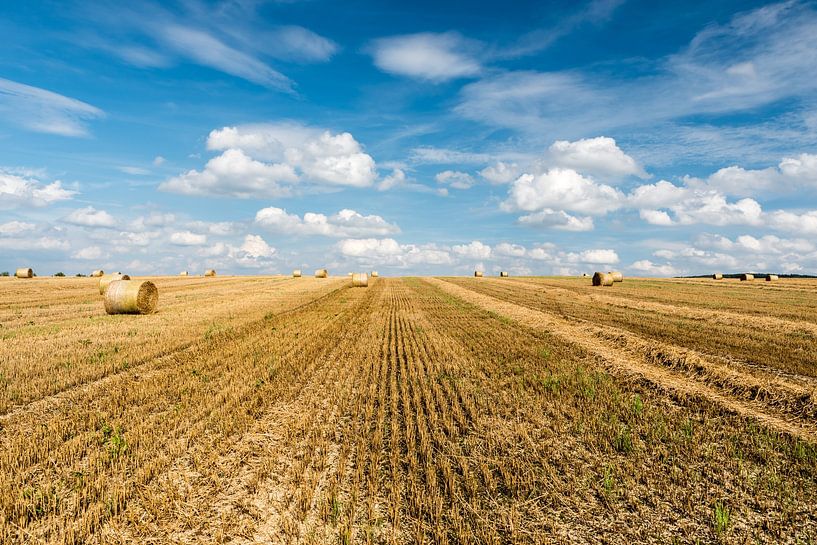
x=413 y=411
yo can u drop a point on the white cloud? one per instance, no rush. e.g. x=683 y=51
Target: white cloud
x=187 y=238
x=427 y=56
x=455 y=179
x=346 y=223
x=255 y=246
x=369 y=247
x=510 y=250
x=299 y=44
x=134 y=171
x=653 y=269
x=759 y=57
x=207 y=50
x=25 y=191
x=44 y=111
x=89 y=252
x=655 y=217
x=235 y=174
x=500 y=173
x=443 y=156
x=33 y=244
x=15 y=228
x=90 y=217
x=267 y=160
x=159 y=161
x=600 y=156
x=561 y=189
x=473 y=250
x=398 y=180
x=597 y=256
x=557 y=219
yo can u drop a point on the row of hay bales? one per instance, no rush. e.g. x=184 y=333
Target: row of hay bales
x=480 y=274
x=607 y=279
x=748 y=277
x=323 y=273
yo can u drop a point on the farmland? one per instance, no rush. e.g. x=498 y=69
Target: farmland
x=417 y=410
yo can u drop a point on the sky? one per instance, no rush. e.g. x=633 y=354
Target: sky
x=257 y=137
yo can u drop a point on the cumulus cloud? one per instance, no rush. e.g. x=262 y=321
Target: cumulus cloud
x=15 y=228
x=473 y=250
x=500 y=173
x=235 y=174
x=255 y=246
x=655 y=217
x=653 y=269
x=346 y=223
x=426 y=56
x=187 y=238
x=557 y=219
x=89 y=252
x=600 y=156
x=561 y=189
x=16 y=190
x=90 y=217
x=269 y=160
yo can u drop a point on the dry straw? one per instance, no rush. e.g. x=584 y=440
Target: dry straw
x=717 y=276
x=210 y=272
x=746 y=277
x=360 y=280
x=296 y=273
x=478 y=274
x=184 y=273
x=321 y=273
x=504 y=274
x=602 y=279
x=617 y=276
x=106 y=279
x=24 y=273
x=374 y=274
x=131 y=297
x=97 y=274
x=772 y=277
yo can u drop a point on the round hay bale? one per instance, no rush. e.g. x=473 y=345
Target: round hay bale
x=210 y=272
x=584 y=275
x=772 y=277
x=746 y=277
x=97 y=274
x=184 y=273
x=503 y=274
x=131 y=297
x=717 y=276
x=617 y=276
x=602 y=279
x=478 y=274
x=360 y=280
x=374 y=274
x=296 y=273
x=106 y=279
x=349 y=274
x=321 y=273
x=24 y=273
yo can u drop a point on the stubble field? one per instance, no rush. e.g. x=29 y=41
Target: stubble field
x=417 y=410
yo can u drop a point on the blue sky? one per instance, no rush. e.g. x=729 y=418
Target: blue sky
x=540 y=138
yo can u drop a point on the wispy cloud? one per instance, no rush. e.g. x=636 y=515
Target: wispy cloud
x=759 y=57
x=40 y=110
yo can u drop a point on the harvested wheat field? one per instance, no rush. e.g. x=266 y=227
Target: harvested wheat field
x=417 y=410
